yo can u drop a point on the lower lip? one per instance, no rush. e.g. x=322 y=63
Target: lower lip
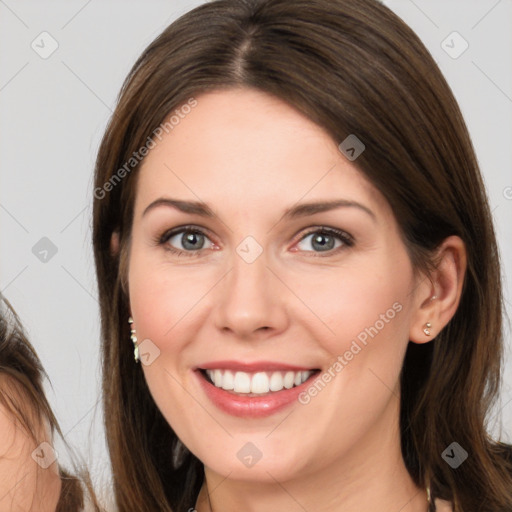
x=251 y=406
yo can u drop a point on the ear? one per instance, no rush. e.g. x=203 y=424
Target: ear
x=438 y=295
x=114 y=243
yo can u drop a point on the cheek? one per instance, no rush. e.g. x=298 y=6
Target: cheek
x=367 y=310
x=160 y=301
x=161 y=298
x=366 y=303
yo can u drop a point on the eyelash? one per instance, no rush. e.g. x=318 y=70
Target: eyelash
x=346 y=239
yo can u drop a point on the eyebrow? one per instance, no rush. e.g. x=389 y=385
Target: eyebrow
x=300 y=210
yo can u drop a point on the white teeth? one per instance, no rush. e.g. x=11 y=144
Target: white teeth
x=258 y=382
x=242 y=382
x=288 y=380
x=228 y=380
x=217 y=378
x=276 y=382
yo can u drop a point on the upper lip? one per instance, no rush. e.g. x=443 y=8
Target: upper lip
x=254 y=366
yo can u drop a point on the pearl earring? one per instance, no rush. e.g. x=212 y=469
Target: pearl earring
x=426 y=330
x=134 y=340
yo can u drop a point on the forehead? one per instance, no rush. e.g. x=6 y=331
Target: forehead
x=246 y=147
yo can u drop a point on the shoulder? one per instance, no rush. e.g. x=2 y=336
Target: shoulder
x=443 y=506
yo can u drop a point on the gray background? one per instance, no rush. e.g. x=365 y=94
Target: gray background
x=53 y=112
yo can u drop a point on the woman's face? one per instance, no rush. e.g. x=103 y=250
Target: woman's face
x=264 y=291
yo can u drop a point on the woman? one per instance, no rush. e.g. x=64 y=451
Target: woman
x=291 y=228
x=31 y=477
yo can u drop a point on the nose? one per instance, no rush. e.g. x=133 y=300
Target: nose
x=250 y=301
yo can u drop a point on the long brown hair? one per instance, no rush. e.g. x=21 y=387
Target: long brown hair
x=22 y=395
x=353 y=67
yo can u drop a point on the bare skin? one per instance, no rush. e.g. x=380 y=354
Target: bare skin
x=25 y=486
x=250 y=157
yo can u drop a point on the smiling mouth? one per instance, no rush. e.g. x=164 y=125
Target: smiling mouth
x=256 y=383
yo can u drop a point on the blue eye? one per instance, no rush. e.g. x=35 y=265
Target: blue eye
x=192 y=240
x=324 y=240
